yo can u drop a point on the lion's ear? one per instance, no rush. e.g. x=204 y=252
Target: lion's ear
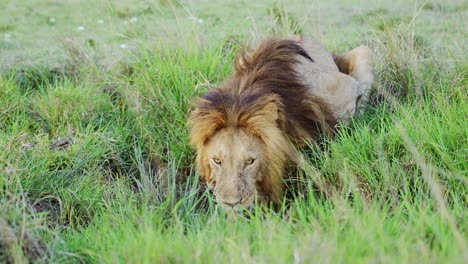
x=269 y=112
x=242 y=62
x=204 y=122
x=263 y=117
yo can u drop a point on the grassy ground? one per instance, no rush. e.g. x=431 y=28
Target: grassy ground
x=95 y=165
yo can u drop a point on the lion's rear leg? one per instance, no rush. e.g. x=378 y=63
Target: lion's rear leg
x=357 y=64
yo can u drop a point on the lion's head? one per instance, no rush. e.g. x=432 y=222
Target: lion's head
x=241 y=152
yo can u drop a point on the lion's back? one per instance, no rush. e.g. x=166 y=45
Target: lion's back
x=323 y=59
x=324 y=79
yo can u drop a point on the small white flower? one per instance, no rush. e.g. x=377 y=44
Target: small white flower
x=52 y=20
x=197 y=19
x=7 y=37
x=134 y=20
x=81 y=28
x=123 y=46
x=100 y=21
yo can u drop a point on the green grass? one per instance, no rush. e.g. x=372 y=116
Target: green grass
x=95 y=164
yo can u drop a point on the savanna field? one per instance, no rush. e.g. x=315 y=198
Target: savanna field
x=95 y=165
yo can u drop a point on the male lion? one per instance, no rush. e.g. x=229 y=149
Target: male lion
x=284 y=93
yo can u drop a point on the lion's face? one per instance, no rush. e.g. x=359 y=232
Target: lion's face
x=235 y=161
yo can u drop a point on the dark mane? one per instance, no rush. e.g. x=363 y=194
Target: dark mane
x=268 y=74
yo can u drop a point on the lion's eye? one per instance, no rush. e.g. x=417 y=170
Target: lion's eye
x=249 y=161
x=217 y=161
